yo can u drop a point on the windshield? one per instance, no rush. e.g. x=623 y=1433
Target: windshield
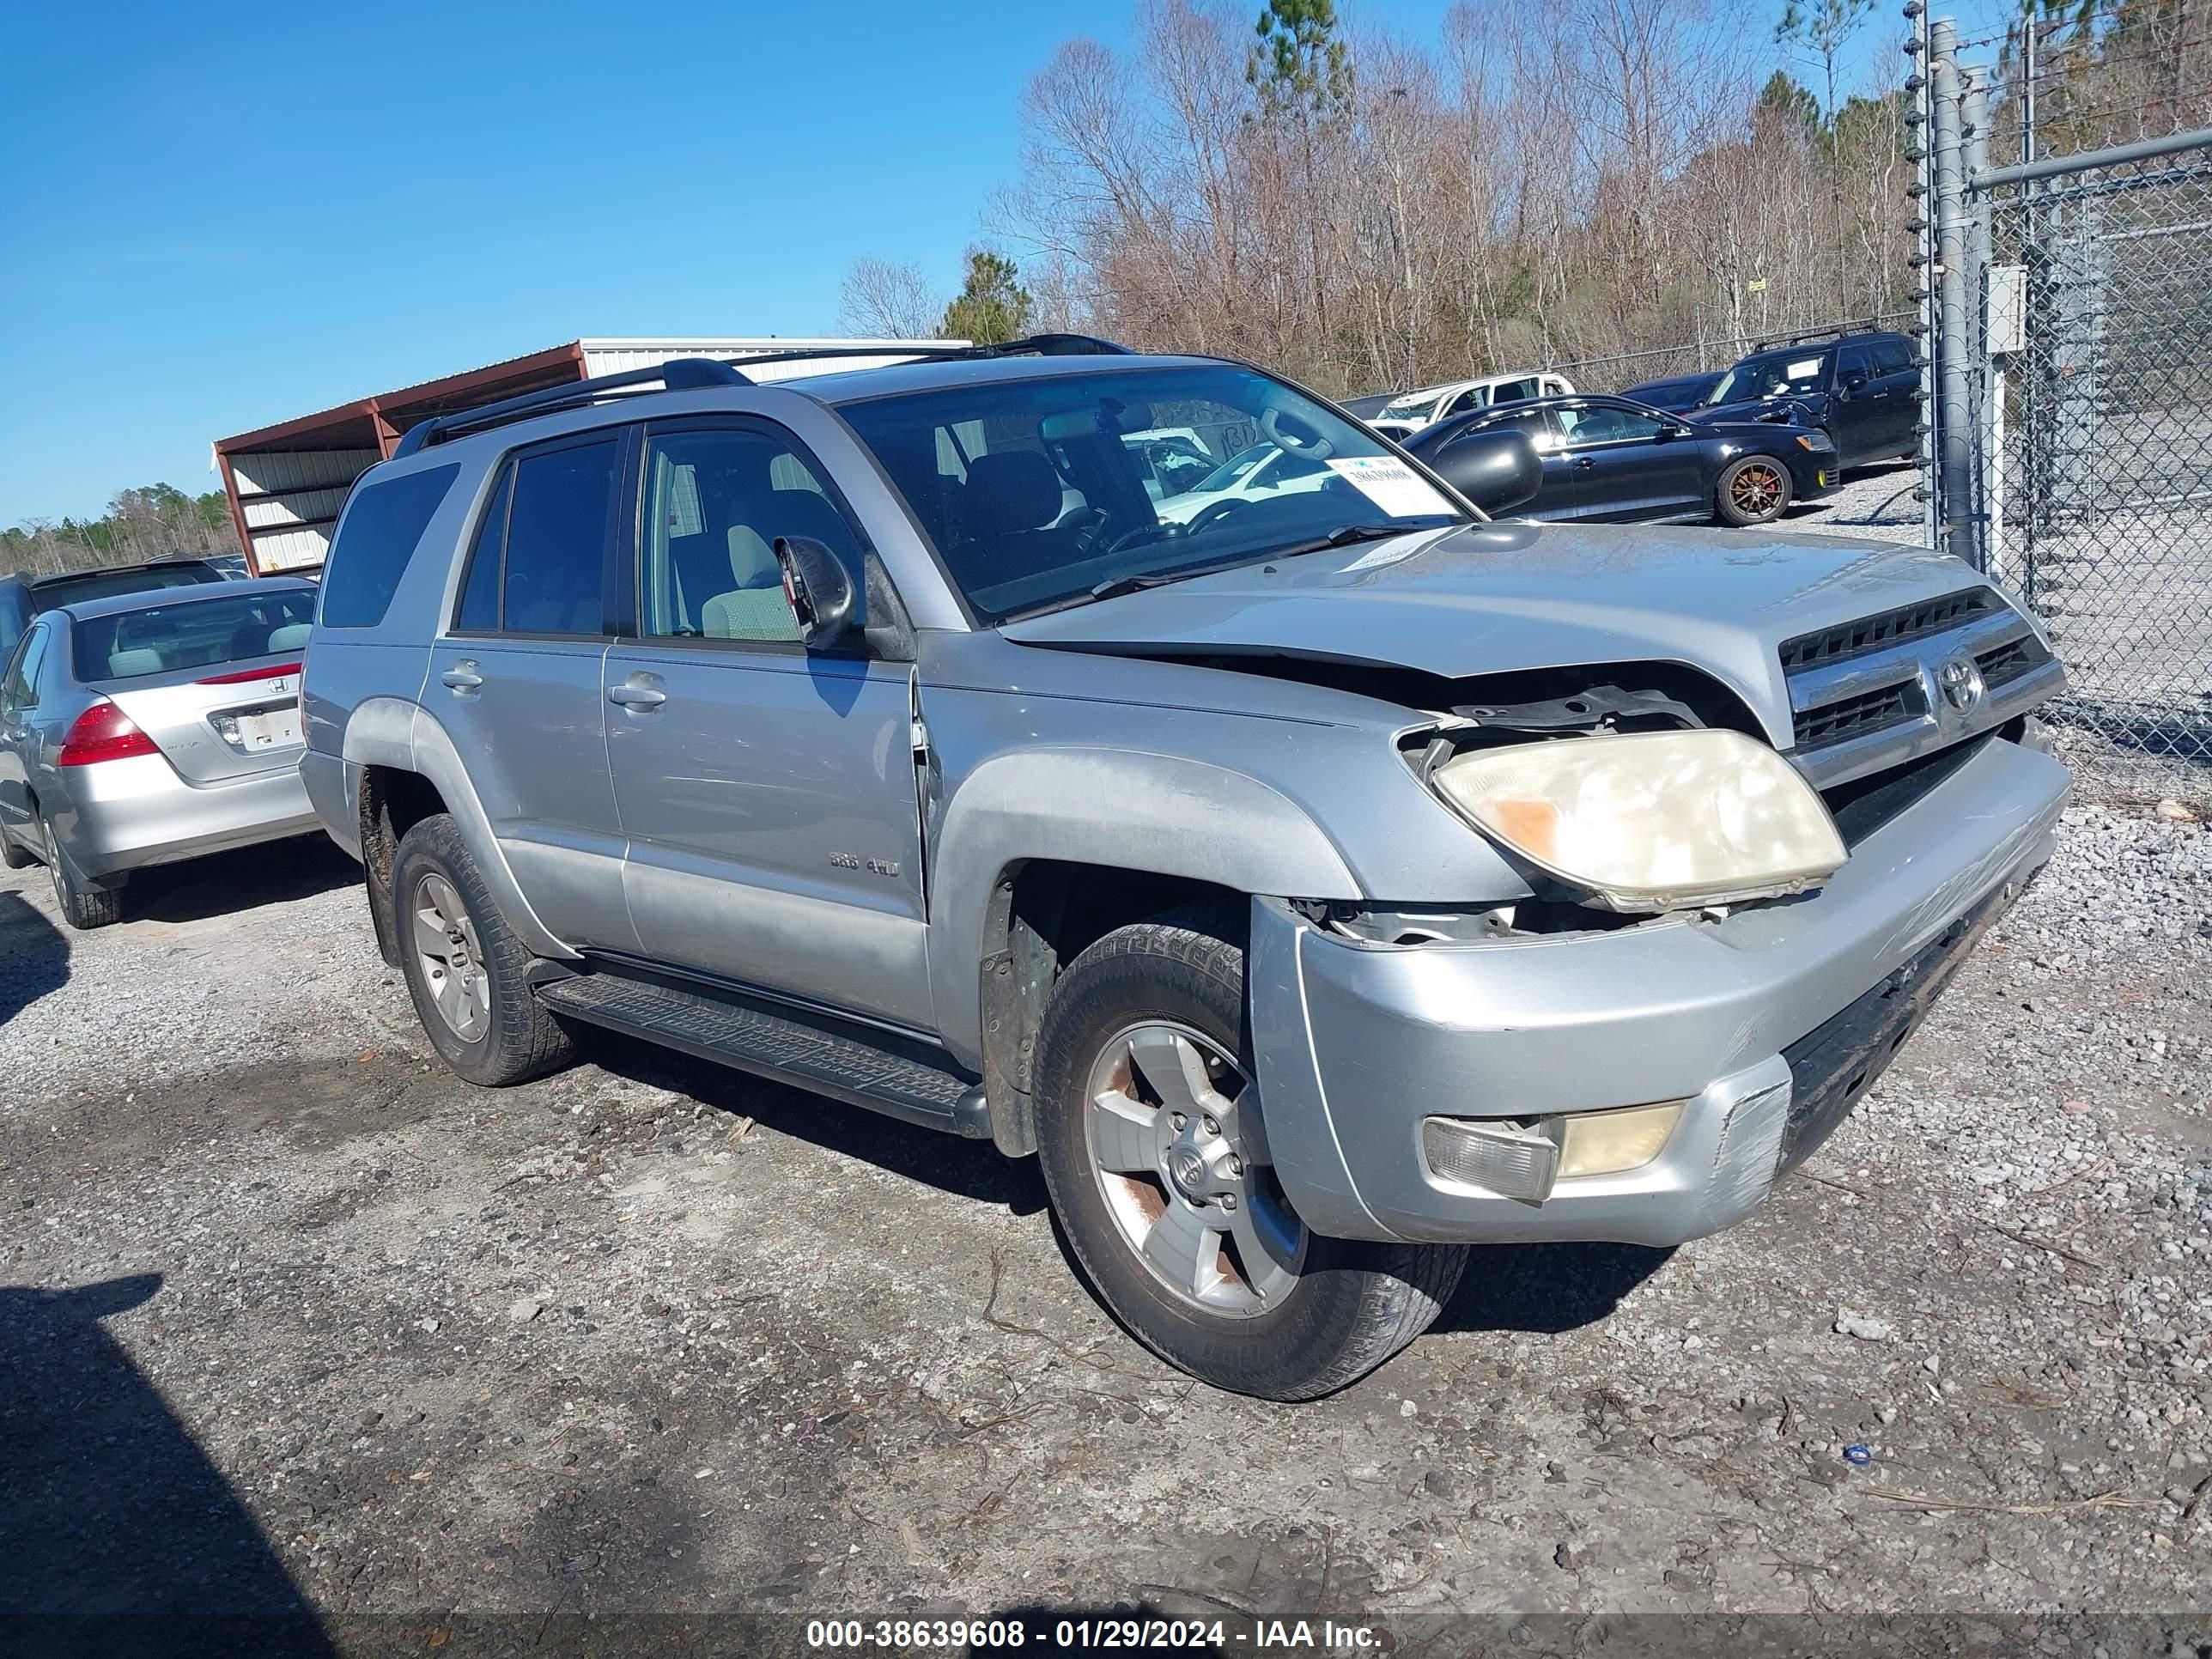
x=1034 y=496
x=162 y=639
x=1779 y=376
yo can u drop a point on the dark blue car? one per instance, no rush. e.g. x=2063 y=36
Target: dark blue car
x=1612 y=459
x=1677 y=394
x=1860 y=389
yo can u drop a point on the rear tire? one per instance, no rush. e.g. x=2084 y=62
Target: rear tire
x=15 y=857
x=84 y=904
x=1754 y=490
x=466 y=969
x=1177 y=1219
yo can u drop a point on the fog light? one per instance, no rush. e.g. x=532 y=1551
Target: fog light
x=1607 y=1143
x=1500 y=1158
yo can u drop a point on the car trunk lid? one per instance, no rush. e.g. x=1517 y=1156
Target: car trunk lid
x=219 y=722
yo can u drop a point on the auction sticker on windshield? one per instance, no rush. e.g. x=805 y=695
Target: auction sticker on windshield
x=1391 y=485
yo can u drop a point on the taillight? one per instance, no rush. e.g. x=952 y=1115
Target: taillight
x=246 y=674
x=103 y=732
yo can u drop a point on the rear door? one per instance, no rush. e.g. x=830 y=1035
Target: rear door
x=769 y=793
x=1892 y=392
x=516 y=679
x=1624 y=468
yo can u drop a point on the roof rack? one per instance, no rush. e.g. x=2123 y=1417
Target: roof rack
x=689 y=374
x=678 y=375
x=1832 y=332
x=1032 y=345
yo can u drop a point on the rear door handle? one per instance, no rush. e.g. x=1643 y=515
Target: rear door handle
x=461 y=679
x=636 y=697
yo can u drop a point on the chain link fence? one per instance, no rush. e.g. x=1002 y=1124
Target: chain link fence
x=2094 y=415
x=2070 y=308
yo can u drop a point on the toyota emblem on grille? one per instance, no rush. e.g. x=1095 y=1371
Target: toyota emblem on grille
x=1961 y=682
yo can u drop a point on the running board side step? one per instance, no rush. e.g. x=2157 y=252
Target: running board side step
x=817 y=1053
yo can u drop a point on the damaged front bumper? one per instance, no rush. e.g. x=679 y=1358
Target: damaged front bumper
x=1769 y=1025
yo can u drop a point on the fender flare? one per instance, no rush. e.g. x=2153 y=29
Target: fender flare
x=392 y=731
x=1124 y=808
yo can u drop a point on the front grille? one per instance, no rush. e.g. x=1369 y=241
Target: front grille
x=2009 y=661
x=1854 y=717
x=1889 y=628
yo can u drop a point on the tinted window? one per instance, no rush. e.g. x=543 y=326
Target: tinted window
x=1892 y=356
x=1536 y=422
x=160 y=638
x=1603 y=425
x=715 y=502
x=1514 y=391
x=376 y=538
x=1855 y=359
x=556 y=540
x=15 y=691
x=479 y=611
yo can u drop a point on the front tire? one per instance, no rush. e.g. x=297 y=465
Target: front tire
x=1754 y=490
x=466 y=969
x=84 y=903
x=1154 y=1153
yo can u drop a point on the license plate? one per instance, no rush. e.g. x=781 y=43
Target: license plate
x=278 y=729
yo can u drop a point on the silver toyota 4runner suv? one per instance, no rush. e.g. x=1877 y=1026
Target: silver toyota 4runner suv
x=1318 y=883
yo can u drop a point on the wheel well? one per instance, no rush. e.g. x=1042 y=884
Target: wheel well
x=1044 y=912
x=393 y=802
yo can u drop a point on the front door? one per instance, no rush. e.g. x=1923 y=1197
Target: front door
x=517 y=681
x=1622 y=467
x=768 y=792
x=18 y=738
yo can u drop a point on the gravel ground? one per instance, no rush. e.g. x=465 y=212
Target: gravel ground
x=296 y=1323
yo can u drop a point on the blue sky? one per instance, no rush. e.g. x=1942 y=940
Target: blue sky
x=212 y=218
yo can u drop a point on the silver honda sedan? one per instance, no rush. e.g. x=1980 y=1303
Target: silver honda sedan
x=149 y=727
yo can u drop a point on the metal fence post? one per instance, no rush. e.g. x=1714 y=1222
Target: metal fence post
x=1988 y=413
x=1953 y=409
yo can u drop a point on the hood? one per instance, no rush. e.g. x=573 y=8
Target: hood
x=1493 y=597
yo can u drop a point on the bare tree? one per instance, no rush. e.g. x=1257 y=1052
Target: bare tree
x=884 y=300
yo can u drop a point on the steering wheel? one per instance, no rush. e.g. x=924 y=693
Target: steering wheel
x=1320 y=449
x=1212 y=513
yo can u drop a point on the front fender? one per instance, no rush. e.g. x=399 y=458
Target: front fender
x=392 y=731
x=1123 y=808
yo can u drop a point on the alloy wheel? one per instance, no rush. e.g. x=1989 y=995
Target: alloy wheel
x=1170 y=1124
x=446 y=949
x=1756 y=490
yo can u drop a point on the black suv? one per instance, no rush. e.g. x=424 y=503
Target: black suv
x=23 y=596
x=1859 y=388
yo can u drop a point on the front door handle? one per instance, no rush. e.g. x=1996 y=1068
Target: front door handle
x=631 y=695
x=462 y=678
x=1584 y=461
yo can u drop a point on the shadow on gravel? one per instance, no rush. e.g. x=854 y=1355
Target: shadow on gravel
x=33 y=955
x=971 y=1168
x=275 y=872
x=1546 y=1288
x=117 y=1534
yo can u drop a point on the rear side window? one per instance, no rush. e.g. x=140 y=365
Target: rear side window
x=1891 y=357
x=555 y=569
x=19 y=689
x=383 y=524
x=479 y=611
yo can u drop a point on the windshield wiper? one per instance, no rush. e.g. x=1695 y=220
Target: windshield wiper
x=1115 y=588
x=1346 y=537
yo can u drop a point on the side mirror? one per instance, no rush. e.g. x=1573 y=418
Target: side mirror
x=818 y=588
x=1496 y=470
x=1674 y=429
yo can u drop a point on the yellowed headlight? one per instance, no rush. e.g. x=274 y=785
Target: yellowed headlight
x=1651 y=820
x=1607 y=1143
